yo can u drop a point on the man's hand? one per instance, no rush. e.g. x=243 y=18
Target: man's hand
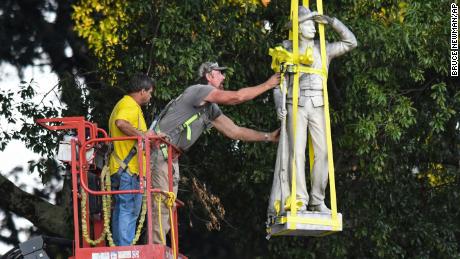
x=323 y=19
x=274 y=136
x=273 y=81
x=149 y=133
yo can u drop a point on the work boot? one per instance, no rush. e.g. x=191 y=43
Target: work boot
x=319 y=208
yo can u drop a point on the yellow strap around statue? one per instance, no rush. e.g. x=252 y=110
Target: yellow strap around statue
x=295 y=99
x=330 y=159
x=283 y=57
x=311 y=70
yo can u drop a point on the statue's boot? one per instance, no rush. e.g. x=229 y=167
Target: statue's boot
x=319 y=208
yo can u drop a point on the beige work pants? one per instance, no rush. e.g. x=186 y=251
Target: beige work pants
x=160 y=180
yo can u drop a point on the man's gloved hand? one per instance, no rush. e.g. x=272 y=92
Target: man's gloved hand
x=323 y=19
x=281 y=112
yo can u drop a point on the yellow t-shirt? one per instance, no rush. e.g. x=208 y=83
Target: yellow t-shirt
x=129 y=110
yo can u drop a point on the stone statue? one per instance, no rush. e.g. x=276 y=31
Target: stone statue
x=310 y=118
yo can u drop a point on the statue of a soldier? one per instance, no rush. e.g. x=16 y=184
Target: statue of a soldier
x=310 y=118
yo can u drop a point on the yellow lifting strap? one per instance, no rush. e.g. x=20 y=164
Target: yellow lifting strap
x=295 y=99
x=327 y=119
x=280 y=57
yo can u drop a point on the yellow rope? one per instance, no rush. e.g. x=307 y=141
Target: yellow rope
x=169 y=202
x=141 y=220
x=106 y=214
x=107 y=203
x=159 y=198
x=84 y=228
x=106 y=209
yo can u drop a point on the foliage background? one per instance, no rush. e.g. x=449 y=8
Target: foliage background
x=394 y=110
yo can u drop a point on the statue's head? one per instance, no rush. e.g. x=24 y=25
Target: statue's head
x=306 y=23
x=305 y=14
x=211 y=73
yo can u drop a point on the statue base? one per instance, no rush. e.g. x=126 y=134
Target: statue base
x=305 y=223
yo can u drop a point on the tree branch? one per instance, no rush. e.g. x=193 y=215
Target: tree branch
x=49 y=218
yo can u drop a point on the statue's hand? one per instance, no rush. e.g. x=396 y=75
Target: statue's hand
x=314 y=13
x=281 y=112
x=323 y=19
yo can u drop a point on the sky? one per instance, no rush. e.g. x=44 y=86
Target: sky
x=15 y=153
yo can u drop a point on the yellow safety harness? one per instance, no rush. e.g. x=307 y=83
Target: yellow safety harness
x=281 y=59
x=178 y=130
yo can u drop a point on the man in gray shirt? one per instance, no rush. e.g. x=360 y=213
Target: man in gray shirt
x=185 y=119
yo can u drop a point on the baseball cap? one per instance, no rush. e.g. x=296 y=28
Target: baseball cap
x=207 y=67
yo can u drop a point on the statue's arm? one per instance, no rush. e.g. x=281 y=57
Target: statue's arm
x=347 y=40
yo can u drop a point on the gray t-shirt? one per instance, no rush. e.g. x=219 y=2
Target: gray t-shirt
x=182 y=109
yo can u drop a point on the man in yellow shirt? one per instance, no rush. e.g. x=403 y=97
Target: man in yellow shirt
x=127 y=119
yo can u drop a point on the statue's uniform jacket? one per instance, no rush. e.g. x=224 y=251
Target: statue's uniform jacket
x=310 y=116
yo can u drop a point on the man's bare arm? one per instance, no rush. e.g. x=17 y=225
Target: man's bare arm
x=242 y=95
x=129 y=130
x=227 y=127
